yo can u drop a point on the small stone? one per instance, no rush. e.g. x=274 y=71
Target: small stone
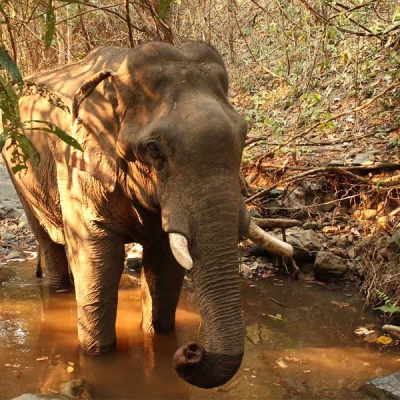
x=134 y=264
x=23 y=222
x=310 y=241
x=334 y=239
x=310 y=225
x=394 y=243
x=258 y=251
x=6 y=236
x=342 y=241
x=328 y=267
x=13 y=254
x=77 y=388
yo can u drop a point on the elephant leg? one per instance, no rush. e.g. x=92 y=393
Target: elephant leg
x=97 y=264
x=162 y=279
x=51 y=253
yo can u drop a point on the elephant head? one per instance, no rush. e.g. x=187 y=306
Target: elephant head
x=170 y=138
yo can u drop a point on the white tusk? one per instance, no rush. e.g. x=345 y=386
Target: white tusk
x=179 y=247
x=268 y=242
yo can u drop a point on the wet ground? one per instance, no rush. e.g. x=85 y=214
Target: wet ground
x=299 y=344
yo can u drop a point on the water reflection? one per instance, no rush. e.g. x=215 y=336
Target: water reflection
x=299 y=345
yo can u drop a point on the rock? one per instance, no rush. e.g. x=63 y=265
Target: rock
x=23 y=222
x=342 y=241
x=334 y=239
x=310 y=225
x=367 y=158
x=77 y=388
x=305 y=244
x=387 y=388
x=296 y=199
x=328 y=267
x=342 y=253
x=328 y=203
x=13 y=254
x=258 y=251
x=7 y=236
x=8 y=212
x=255 y=214
x=310 y=241
x=300 y=254
x=275 y=193
x=394 y=243
x=134 y=258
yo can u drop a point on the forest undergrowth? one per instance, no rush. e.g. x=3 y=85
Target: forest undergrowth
x=318 y=82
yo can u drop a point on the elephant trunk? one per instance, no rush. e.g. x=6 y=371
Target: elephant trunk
x=216 y=282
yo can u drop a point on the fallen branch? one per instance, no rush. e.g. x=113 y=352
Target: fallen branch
x=369 y=168
x=382 y=183
x=391 y=328
x=271 y=223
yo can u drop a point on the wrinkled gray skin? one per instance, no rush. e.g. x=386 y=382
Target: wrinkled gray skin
x=162 y=155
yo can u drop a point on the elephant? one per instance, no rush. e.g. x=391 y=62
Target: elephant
x=162 y=149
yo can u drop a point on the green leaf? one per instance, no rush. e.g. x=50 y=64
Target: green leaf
x=50 y=25
x=163 y=8
x=51 y=128
x=8 y=64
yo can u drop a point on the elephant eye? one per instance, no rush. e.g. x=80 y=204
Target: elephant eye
x=154 y=155
x=153 y=150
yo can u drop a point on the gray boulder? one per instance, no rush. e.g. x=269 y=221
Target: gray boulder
x=386 y=388
x=395 y=241
x=328 y=267
x=305 y=244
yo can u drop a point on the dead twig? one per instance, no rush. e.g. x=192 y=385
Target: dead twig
x=271 y=223
x=326 y=121
x=391 y=181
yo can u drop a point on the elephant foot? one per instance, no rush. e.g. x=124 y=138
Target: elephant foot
x=64 y=285
x=98 y=350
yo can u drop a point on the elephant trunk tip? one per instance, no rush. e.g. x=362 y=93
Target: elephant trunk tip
x=203 y=369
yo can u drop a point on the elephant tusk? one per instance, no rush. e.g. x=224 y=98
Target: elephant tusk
x=268 y=242
x=179 y=248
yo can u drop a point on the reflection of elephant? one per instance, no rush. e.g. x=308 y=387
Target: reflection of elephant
x=162 y=150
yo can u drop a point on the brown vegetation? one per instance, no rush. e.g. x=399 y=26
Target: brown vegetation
x=318 y=82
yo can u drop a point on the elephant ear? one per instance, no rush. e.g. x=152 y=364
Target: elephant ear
x=95 y=126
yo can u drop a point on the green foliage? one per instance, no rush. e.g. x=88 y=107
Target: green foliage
x=388 y=306
x=163 y=8
x=11 y=89
x=50 y=25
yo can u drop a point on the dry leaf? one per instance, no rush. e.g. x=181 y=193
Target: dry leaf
x=44 y=358
x=281 y=363
x=363 y=331
x=339 y=304
x=384 y=340
x=70 y=369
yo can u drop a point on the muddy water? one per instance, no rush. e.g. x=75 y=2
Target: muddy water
x=302 y=348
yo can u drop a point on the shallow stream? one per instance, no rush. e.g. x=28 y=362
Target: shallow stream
x=299 y=344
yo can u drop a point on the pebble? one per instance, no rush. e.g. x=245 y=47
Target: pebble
x=7 y=236
x=13 y=254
